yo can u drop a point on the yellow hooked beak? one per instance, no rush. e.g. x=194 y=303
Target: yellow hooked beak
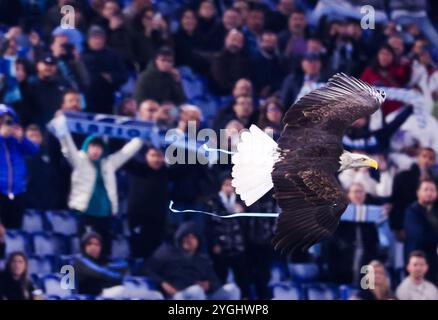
x=371 y=163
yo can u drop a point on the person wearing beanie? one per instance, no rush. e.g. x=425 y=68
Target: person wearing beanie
x=93 y=191
x=183 y=273
x=93 y=271
x=14 y=147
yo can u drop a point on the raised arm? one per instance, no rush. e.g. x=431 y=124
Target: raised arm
x=127 y=152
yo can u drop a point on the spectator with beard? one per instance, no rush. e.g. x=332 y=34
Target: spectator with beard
x=267 y=70
x=421 y=226
x=405 y=186
x=242 y=110
x=230 y=65
x=107 y=72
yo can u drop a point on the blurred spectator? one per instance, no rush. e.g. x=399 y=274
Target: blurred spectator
x=359 y=137
x=93 y=181
x=117 y=32
x=380 y=289
x=128 y=107
x=267 y=70
x=107 y=72
x=93 y=273
x=69 y=63
x=292 y=41
x=415 y=286
x=407 y=12
x=354 y=243
x=254 y=25
x=209 y=28
x=385 y=72
x=421 y=225
x=160 y=81
x=185 y=274
x=242 y=110
x=231 y=19
x=148 y=202
x=71 y=102
x=135 y=7
x=187 y=43
x=41 y=191
x=230 y=65
x=277 y=20
x=270 y=115
x=46 y=92
x=243 y=7
x=226 y=237
x=15 y=283
x=148 y=111
x=150 y=32
x=13 y=170
x=405 y=186
x=24 y=79
x=294 y=82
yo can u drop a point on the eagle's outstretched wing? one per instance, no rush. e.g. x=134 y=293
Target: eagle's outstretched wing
x=306 y=189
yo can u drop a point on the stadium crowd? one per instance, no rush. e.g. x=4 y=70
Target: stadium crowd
x=225 y=65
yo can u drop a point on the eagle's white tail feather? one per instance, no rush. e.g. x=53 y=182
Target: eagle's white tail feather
x=253 y=164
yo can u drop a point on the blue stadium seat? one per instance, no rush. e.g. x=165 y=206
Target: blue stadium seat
x=347 y=291
x=75 y=245
x=63 y=222
x=16 y=240
x=303 y=272
x=52 y=286
x=192 y=88
x=322 y=292
x=45 y=243
x=33 y=221
x=120 y=247
x=79 y=297
x=287 y=292
x=40 y=265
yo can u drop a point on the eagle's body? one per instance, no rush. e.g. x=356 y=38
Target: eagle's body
x=303 y=166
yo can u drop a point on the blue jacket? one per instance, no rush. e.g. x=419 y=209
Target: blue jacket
x=12 y=164
x=421 y=233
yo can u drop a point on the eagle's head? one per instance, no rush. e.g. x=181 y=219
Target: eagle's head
x=380 y=96
x=350 y=160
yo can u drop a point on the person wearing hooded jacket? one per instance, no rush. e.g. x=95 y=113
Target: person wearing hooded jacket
x=93 y=191
x=93 y=272
x=14 y=147
x=183 y=273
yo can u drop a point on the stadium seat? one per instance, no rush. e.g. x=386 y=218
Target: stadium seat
x=79 y=297
x=287 y=292
x=62 y=222
x=40 y=265
x=120 y=247
x=303 y=272
x=33 y=221
x=138 y=288
x=75 y=245
x=16 y=240
x=347 y=291
x=322 y=292
x=52 y=286
x=49 y=244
